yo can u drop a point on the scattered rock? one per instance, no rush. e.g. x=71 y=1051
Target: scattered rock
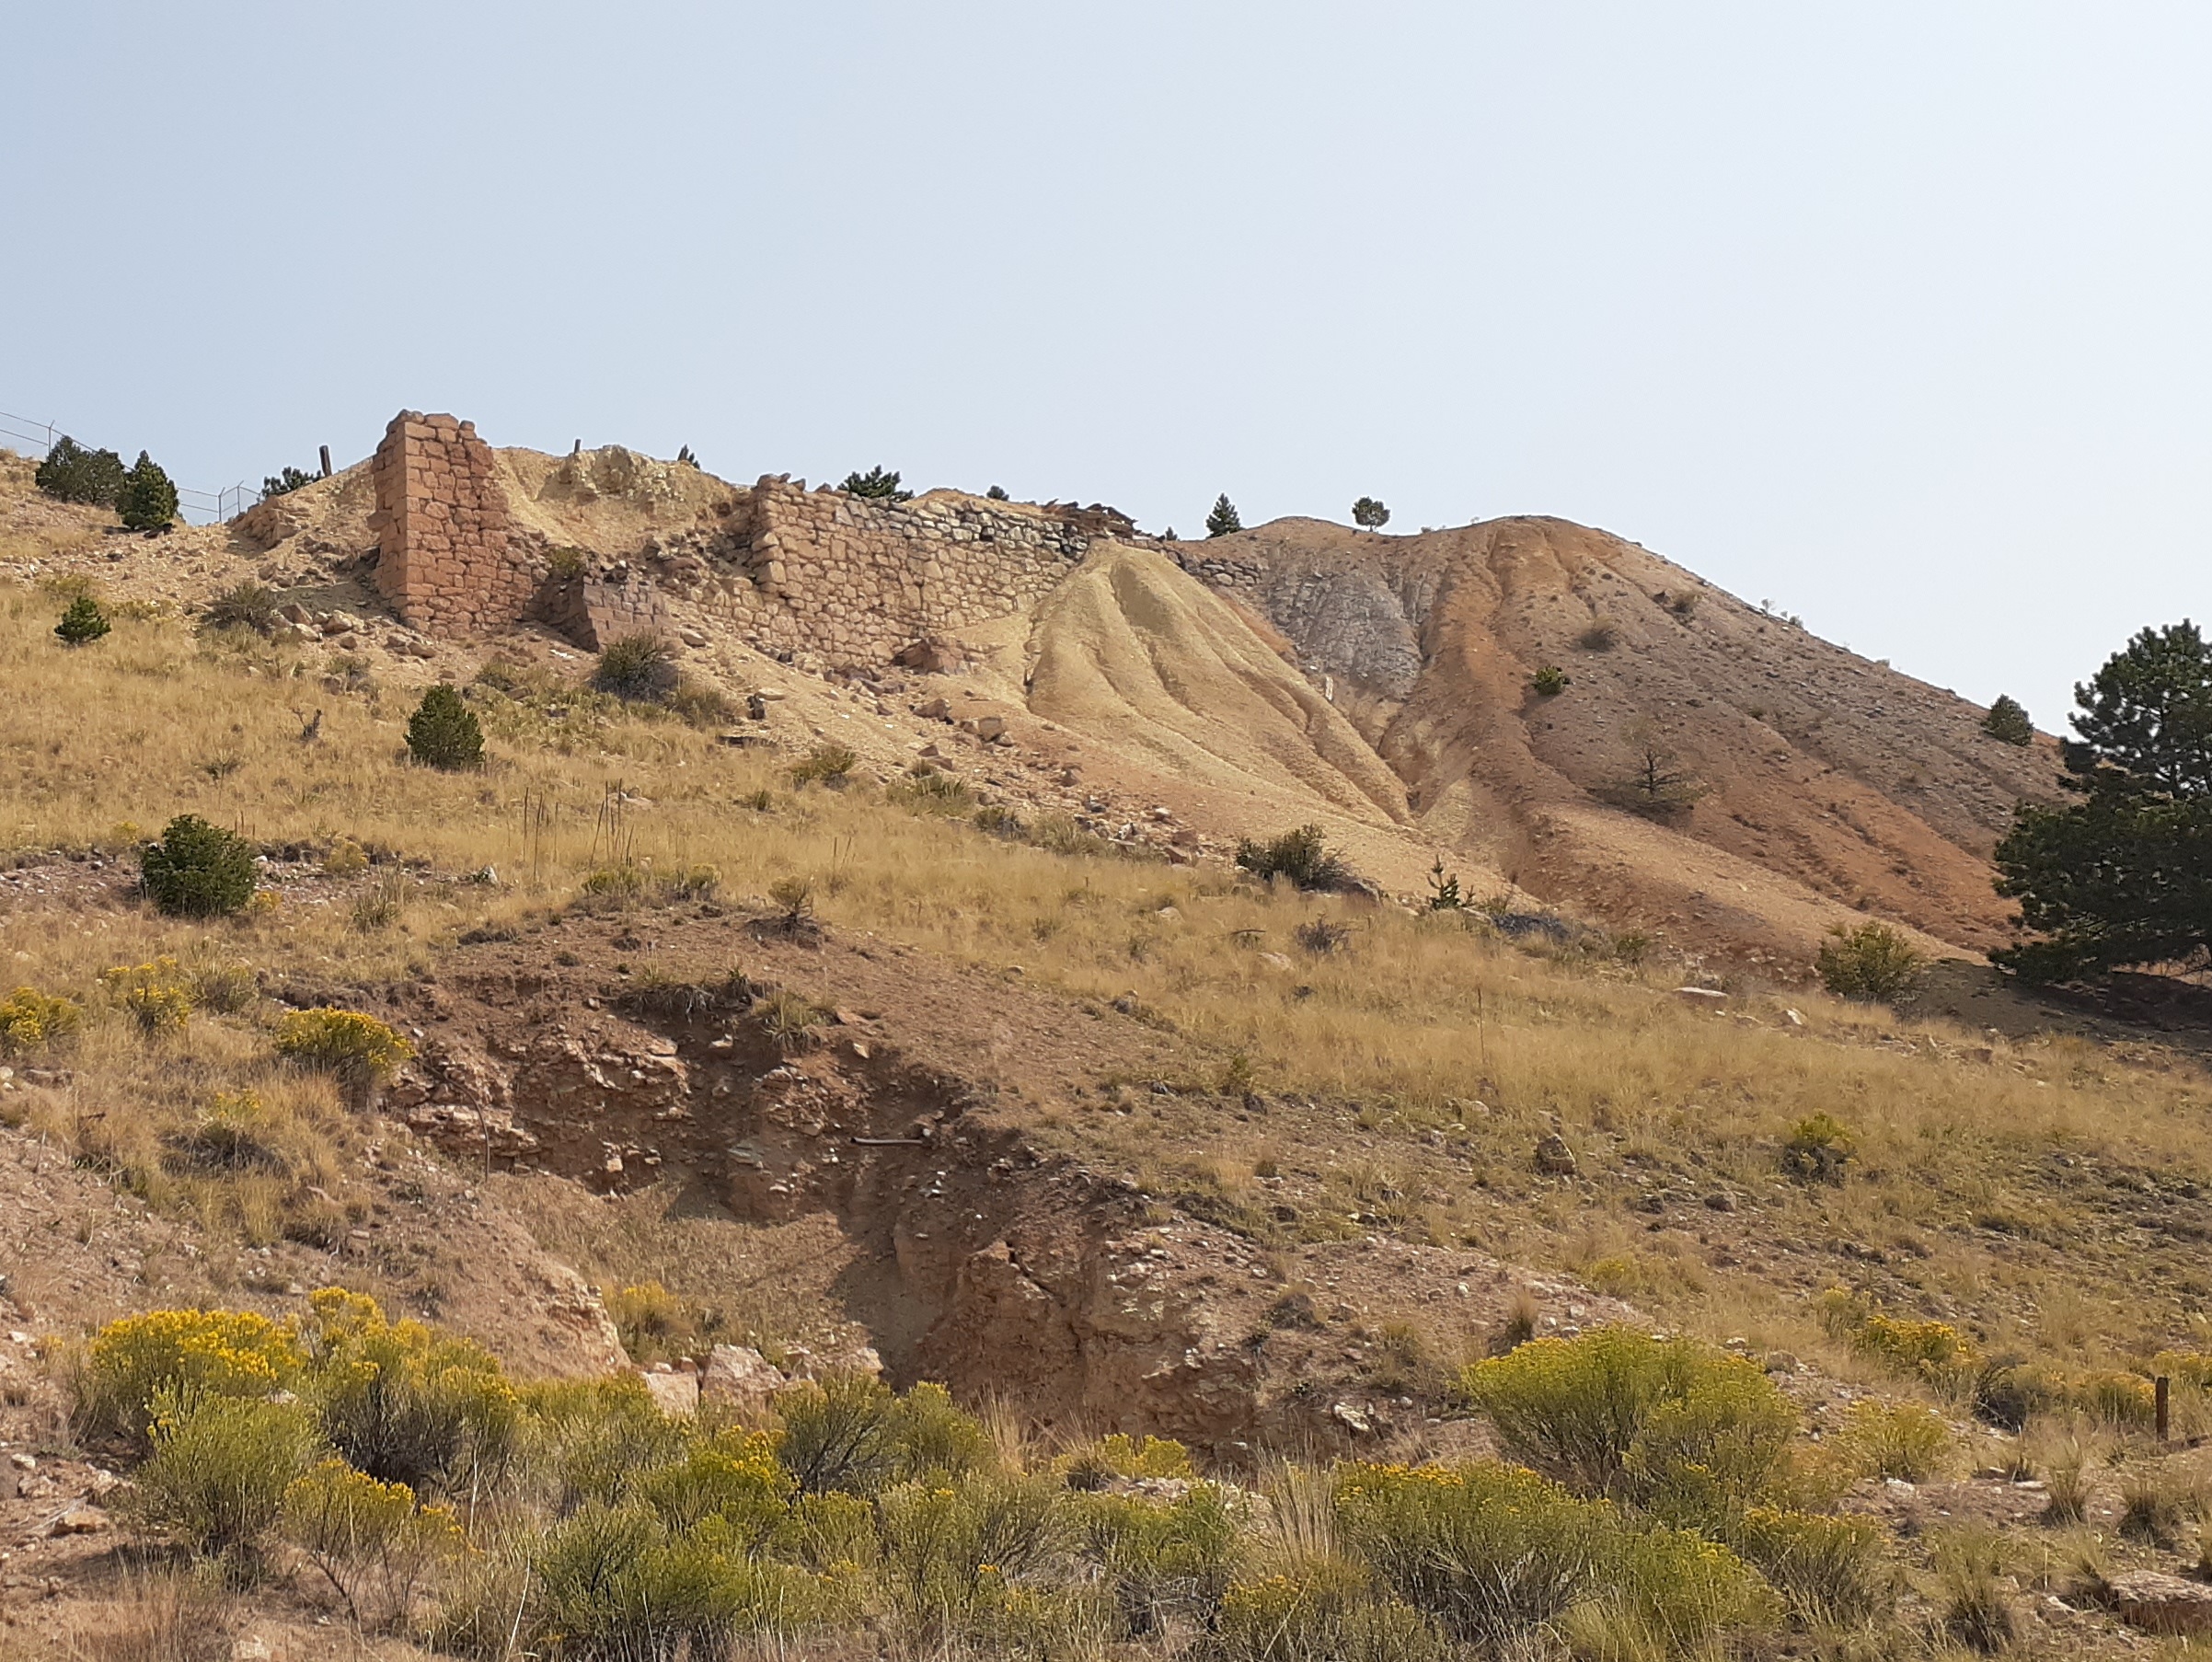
x=1702 y=995
x=1553 y=1158
x=740 y=1377
x=2158 y=1603
x=83 y=1518
x=691 y=637
x=674 y=1394
x=1351 y=1419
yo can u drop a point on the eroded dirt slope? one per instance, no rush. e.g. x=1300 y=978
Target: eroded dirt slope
x=1819 y=778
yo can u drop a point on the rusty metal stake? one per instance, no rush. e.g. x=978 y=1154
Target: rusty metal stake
x=2165 y=1391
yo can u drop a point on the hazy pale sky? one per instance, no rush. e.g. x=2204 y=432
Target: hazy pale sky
x=1894 y=314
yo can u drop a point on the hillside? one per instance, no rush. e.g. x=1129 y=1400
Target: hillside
x=1001 y=1074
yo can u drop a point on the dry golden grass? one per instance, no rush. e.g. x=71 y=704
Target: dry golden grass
x=1423 y=1058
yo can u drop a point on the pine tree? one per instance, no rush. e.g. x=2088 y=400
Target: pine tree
x=73 y=474
x=147 y=500
x=1369 y=514
x=2123 y=875
x=876 y=484
x=83 y=622
x=1224 y=518
x=2008 y=720
x=443 y=732
x=286 y=482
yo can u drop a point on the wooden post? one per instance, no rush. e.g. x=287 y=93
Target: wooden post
x=2165 y=1391
x=326 y=461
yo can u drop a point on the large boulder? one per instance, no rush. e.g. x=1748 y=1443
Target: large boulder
x=739 y=1377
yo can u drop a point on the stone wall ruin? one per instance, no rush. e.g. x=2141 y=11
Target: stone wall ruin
x=819 y=578
x=444 y=555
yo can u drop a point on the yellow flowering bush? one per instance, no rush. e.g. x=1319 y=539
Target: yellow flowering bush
x=404 y=1403
x=219 y=1469
x=1161 y=1556
x=1829 y=1568
x=184 y=1355
x=1934 y=1351
x=369 y=1538
x=732 y=1479
x=157 y=994
x=1668 y=1424
x=359 y=1049
x=29 y=1020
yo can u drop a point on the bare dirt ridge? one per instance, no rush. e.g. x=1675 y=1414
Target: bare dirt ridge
x=1378 y=686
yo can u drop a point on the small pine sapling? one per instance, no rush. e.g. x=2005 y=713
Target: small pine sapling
x=1224 y=518
x=83 y=623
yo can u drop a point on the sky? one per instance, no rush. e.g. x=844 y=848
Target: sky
x=1893 y=315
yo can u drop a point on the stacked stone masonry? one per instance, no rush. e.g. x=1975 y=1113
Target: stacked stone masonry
x=819 y=578
x=848 y=581
x=446 y=559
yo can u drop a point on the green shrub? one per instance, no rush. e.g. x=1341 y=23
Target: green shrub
x=219 y=1469
x=1326 y=1613
x=1668 y=1424
x=1549 y=681
x=952 y=1553
x=81 y=623
x=733 y=1479
x=359 y=1050
x=1829 y=1569
x=1301 y=856
x=73 y=474
x=30 y=1020
x=157 y=994
x=614 y=1582
x=1162 y=1558
x=1934 y=1351
x=588 y=1439
x=368 y=1539
x=2008 y=720
x=1817 y=1148
x=197 y=869
x=826 y=764
x=179 y=1354
x=286 y=481
x=1902 y=1440
x=839 y=1434
x=146 y=501
x=616 y=885
x=246 y=604
x=443 y=732
x=404 y=1403
x=1224 y=519
x=1496 y=1554
x=876 y=485
x=1872 y=963
x=1369 y=514
x=640 y=667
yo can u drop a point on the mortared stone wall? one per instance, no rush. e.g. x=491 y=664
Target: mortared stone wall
x=446 y=556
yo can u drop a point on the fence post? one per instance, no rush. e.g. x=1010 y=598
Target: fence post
x=326 y=461
x=2165 y=1391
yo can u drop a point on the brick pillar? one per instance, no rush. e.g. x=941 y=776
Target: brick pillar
x=445 y=557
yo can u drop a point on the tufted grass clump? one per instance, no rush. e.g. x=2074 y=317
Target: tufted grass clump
x=640 y=668
x=358 y=1050
x=1301 y=855
x=828 y=765
x=1327 y=1611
